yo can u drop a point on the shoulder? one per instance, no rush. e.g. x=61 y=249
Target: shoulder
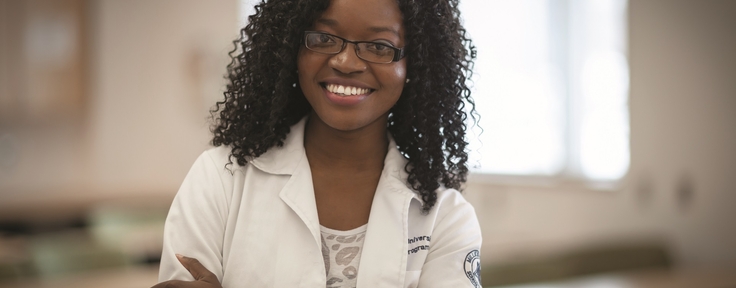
x=213 y=174
x=453 y=257
x=451 y=206
x=218 y=159
x=449 y=201
x=218 y=156
x=451 y=197
x=450 y=215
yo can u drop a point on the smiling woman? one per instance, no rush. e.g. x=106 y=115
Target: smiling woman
x=340 y=149
x=380 y=23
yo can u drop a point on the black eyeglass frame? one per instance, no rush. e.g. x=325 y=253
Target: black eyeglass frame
x=398 y=52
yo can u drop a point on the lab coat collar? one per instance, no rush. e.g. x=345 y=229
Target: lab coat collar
x=284 y=160
x=383 y=260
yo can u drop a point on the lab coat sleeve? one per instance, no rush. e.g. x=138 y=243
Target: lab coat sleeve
x=196 y=222
x=454 y=255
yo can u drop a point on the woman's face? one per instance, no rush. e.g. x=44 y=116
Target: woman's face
x=378 y=85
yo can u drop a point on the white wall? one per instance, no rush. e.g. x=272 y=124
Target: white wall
x=155 y=69
x=683 y=146
x=160 y=67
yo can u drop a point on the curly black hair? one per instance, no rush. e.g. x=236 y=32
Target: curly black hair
x=427 y=123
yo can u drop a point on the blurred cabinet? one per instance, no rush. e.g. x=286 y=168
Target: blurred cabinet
x=42 y=60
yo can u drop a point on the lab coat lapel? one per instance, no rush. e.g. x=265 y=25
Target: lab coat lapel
x=298 y=193
x=383 y=259
x=290 y=160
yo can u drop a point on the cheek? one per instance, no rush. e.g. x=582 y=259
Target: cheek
x=395 y=77
x=400 y=70
x=306 y=72
x=308 y=66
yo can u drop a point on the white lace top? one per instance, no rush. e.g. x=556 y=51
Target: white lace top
x=341 y=251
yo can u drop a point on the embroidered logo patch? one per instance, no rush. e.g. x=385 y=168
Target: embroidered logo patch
x=472 y=268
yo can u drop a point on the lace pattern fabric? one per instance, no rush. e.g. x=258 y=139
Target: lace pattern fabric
x=341 y=251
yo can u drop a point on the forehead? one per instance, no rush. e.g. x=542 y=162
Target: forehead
x=363 y=16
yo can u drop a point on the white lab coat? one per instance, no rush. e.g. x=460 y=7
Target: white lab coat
x=257 y=226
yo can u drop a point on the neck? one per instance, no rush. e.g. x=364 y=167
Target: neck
x=360 y=149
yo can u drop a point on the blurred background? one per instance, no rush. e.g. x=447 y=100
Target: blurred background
x=618 y=119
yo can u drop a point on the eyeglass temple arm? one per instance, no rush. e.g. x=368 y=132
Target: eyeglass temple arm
x=399 y=55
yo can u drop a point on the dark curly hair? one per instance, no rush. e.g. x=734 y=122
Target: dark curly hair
x=427 y=123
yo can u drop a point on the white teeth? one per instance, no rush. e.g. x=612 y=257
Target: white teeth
x=346 y=90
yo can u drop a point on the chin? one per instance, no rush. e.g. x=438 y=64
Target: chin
x=347 y=123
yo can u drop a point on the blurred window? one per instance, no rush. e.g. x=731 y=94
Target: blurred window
x=551 y=86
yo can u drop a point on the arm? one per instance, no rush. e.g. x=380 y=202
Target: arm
x=202 y=277
x=196 y=221
x=454 y=256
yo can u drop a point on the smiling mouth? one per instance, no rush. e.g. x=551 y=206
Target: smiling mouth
x=343 y=90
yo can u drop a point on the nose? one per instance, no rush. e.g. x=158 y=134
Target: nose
x=347 y=61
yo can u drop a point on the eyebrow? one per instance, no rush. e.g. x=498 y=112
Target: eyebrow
x=376 y=29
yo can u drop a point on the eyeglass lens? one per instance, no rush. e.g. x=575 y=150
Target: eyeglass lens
x=330 y=44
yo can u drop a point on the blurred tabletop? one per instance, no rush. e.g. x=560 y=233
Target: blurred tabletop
x=146 y=276
x=128 y=277
x=712 y=277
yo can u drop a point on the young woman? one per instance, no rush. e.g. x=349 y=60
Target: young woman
x=339 y=151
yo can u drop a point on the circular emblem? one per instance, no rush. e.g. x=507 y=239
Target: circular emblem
x=472 y=268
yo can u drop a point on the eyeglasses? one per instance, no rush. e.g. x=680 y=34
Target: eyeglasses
x=375 y=52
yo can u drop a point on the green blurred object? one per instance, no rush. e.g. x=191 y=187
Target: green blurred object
x=114 y=235
x=70 y=252
x=134 y=230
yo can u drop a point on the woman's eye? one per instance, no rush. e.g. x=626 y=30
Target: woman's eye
x=378 y=48
x=325 y=39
